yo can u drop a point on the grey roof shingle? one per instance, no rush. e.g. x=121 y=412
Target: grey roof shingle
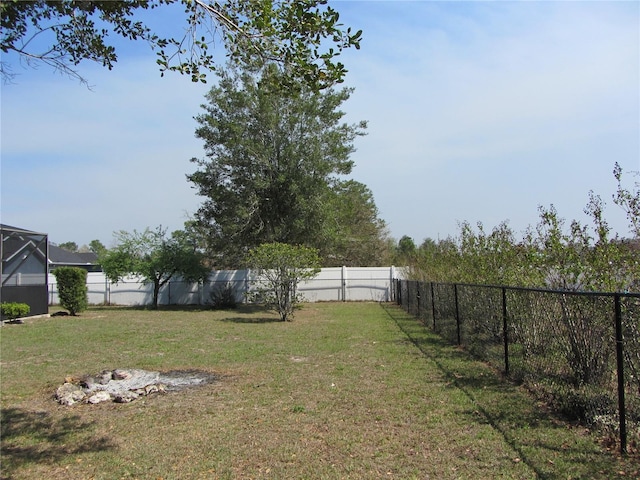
x=60 y=256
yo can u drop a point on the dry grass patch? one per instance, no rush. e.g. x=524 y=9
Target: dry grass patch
x=355 y=390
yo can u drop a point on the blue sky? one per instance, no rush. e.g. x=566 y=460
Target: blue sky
x=477 y=111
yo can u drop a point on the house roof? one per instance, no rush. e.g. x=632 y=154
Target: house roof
x=19 y=230
x=18 y=241
x=60 y=256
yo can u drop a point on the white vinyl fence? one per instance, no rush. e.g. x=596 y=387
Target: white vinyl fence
x=331 y=284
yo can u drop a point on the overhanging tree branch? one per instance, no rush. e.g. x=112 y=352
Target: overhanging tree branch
x=287 y=32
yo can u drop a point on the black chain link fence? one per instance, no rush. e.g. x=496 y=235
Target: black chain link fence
x=577 y=351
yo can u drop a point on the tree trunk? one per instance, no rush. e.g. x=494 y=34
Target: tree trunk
x=156 y=292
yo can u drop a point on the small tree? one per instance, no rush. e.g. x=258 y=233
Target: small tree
x=97 y=247
x=155 y=257
x=69 y=246
x=72 y=288
x=629 y=200
x=280 y=269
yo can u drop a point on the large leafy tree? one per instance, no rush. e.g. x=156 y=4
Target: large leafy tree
x=304 y=36
x=273 y=165
x=155 y=256
x=357 y=236
x=405 y=250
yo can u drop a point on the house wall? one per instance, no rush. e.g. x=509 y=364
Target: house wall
x=24 y=268
x=33 y=295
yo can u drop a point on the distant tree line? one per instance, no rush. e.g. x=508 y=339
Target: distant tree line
x=552 y=254
x=95 y=246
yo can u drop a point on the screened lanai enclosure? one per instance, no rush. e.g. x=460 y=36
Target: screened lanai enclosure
x=24 y=268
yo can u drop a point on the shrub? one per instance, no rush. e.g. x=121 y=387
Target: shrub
x=280 y=267
x=223 y=297
x=72 y=288
x=584 y=404
x=13 y=310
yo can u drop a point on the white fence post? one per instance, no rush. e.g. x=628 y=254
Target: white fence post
x=344 y=283
x=392 y=277
x=247 y=285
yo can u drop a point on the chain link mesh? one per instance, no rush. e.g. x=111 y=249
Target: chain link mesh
x=562 y=346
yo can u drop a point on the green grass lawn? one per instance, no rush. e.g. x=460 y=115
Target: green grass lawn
x=345 y=391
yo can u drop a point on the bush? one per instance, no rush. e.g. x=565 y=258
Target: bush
x=72 y=288
x=13 y=310
x=280 y=268
x=223 y=297
x=584 y=404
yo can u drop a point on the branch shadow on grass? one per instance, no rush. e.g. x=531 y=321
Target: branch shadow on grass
x=242 y=313
x=252 y=313
x=539 y=437
x=251 y=320
x=151 y=308
x=30 y=438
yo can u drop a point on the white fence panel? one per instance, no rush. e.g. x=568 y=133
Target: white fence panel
x=331 y=284
x=325 y=287
x=97 y=286
x=238 y=280
x=129 y=291
x=369 y=284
